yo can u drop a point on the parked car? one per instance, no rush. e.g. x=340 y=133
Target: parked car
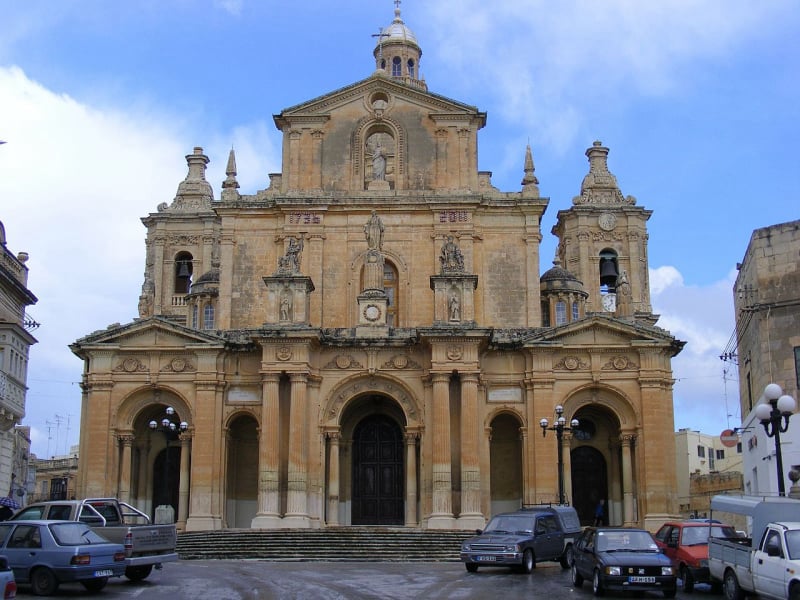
x=686 y=544
x=8 y=584
x=146 y=545
x=45 y=554
x=622 y=559
x=522 y=538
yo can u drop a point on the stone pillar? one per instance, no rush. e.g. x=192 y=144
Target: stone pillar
x=442 y=513
x=269 y=500
x=206 y=499
x=125 y=468
x=163 y=286
x=627 y=482
x=333 y=479
x=316 y=137
x=411 y=479
x=471 y=516
x=183 y=482
x=566 y=443
x=297 y=480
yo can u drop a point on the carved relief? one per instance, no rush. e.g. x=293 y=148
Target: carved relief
x=455 y=352
x=400 y=361
x=620 y=363
x=130 y=365
x=570 y=363
x=178 y=365
x=283 y=353
x=344 y=361
x=372 y=384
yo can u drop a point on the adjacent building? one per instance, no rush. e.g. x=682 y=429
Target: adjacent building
x=369 y=339
x=767 y=305
x=15 y=343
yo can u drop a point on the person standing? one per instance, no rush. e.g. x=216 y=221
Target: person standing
x=599 y=512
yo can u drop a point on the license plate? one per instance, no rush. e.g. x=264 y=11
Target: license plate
x=486 y=558
x=636 y=579
x=104 y=573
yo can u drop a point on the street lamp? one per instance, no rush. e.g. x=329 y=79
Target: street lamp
x=775 y=419
x=559 y=426
x=171 y=430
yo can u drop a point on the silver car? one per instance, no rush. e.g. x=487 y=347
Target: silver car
x=45 y=554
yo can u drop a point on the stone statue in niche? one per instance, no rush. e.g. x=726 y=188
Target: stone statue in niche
x=623 y=285
x=378 y=164
x=454 y=307
x=289 y=263
x=373 y=232
x=286 y=305
x=450 y=258
x=378 y=154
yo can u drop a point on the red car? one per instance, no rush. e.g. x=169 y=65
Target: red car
x=686 y=545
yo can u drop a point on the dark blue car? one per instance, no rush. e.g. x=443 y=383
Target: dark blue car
x=622 y=559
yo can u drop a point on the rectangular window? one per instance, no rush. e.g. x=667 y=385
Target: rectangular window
x=575 y=313
x=561 y=313
x=701 y=451
x=208 y=317
x=720 y=454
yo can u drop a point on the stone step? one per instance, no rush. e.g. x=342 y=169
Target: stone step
x=330 y=544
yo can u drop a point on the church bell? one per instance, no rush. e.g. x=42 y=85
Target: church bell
x=183 y=270
x=608 y=273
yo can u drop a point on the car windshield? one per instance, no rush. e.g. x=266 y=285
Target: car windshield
x=626 y=541
x=510 y=524
x=793 y=543
x=694 y=536
x=75 y=534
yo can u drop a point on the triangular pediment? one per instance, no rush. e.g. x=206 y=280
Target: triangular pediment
x=358 y=94
x=146 y=333
x=604 y=331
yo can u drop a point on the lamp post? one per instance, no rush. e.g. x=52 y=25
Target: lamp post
x=774 y=416
x=559 y=426
x=171 y=430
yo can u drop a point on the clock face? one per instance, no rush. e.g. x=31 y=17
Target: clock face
x=372 y=312
x=610 y=302
x=607 y=221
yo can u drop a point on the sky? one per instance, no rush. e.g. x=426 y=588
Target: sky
x=698 y=101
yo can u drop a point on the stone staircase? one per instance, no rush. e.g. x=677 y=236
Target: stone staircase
x=367 y=544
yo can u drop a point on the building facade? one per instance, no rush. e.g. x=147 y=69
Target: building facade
x=705 y=465
x=15 y=343
x=368 y=340
x=767 y=305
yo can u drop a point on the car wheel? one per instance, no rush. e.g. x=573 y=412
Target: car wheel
x=794 y=592
x=731 y=588
x=43 y=582
x=138 y=573
x=597 y=586
x=96 y=584
x=687 y=581
x=471 y=567
x=577 y=578
x=528 y=562
x=567 y=558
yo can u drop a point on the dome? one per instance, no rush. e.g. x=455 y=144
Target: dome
x=207 y=283
x=397 y=32
x=559 y=279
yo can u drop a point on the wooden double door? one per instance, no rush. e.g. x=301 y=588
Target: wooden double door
x=377 y=472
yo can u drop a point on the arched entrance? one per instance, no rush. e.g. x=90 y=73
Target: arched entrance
x=589 y=482
x=377 y=472
x=166 y=476
x=505 y=454
x=241 y=489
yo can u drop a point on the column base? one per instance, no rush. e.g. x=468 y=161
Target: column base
x=203 y=523
x=296 y=522
x=441 y=522
x=471 y=521
x=266 y=522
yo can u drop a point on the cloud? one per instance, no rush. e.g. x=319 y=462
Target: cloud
x=234 y=7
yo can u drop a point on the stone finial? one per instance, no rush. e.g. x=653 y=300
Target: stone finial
x=599 y=186
x=529 y=181
x=230 y=185
x=194 y=192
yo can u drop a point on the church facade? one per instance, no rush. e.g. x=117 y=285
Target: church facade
x=369 y=339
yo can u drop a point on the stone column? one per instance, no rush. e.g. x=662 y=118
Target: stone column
x=442 y=514
x=471 y=516
x=207 y=476
x=183 y=481
x=297 y=483
x=269 y=501
x=566 y=443
x=411 y=479
x=125 y=468
x=627 y=481
x=333 y=479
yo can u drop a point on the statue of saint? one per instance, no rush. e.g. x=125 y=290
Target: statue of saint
x=455 y=308
x=373 y=231
x=290 y=262
x=378 y=164
x=450 y=257
x=286 y=306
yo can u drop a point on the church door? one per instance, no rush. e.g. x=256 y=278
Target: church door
x=377 y=472
x=589 y=482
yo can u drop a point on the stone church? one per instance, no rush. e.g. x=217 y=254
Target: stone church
x=369 y=340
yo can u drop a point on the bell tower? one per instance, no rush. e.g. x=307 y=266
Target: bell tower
x=603 y=242
x=397 y=52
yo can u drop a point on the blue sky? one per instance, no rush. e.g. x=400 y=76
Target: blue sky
x=699 y=102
